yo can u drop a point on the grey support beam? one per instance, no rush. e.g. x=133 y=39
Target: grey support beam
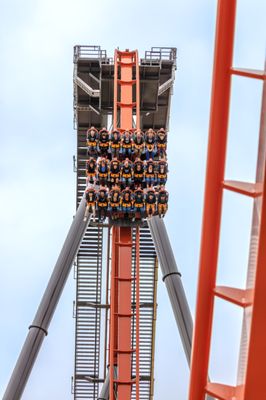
x=39 y=327
x=172 y=280
x=104 y=395
x=165 y=86
x=87 y=89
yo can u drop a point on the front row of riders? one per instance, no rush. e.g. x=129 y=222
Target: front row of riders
x=132 y=204
x=127 y=144
x=126 y=173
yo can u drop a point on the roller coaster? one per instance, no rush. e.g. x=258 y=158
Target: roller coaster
x=118 y=238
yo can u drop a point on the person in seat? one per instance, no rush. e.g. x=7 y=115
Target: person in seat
x=139 y=202
x=126 y=202
x=138 y=145
x=162 y=202
x=91 y=167
x=102 y=203
x=150 y=202
x=92 y=140
x=114 y=202
x=138 y=172
x=103 y=169
x=90 y=195
x=126 y=172
x=162 y=172
x=115 y=143
x=150 y=173
x=161 y=142
x=114 y=172
x=126 y=144
x=150 y=144
x=103 y=145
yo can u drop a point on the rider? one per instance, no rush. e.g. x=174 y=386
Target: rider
x=138 y=172
x=127 y=201
x=162 y=172
x=150 y=174
x=126 y=144
x=92 y=140
x=103 y=171
x=139 y=203
x=162 y=202
x=114 y=171
x=115 y=143
x=90 y=195
x=114 y=202
x=161 y=139
x=126 y=172
x=91 y=166
x=138 y=143
x=103 y=145
x=102 y=203
x=150 y=203
x=150 y=144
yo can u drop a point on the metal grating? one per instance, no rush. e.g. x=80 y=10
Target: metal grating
x=148 y=288
x=88 y=314
x=88 y=270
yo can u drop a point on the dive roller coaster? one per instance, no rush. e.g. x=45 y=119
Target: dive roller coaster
x=118 y=237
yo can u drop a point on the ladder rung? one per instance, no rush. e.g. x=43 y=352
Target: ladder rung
x=130 y=351
x=123 y=315
x=130 y=105
x=132 y=382
x=240 y=297
x=127 y=64
x=129 y=279
x=246 y=188
x=124 y=244
x=249 y=73
x=131 y=82
x=222 y=392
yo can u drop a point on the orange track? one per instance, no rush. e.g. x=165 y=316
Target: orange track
x=121 y=274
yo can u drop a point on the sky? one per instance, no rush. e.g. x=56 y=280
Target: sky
x=37 y=191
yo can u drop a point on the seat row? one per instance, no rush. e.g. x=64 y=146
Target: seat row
x=129 y=144
x=125 y=204
x=126 y=173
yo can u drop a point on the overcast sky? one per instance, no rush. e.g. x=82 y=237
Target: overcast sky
x=37 y=192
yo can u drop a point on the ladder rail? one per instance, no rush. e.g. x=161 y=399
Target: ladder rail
x=215 y=169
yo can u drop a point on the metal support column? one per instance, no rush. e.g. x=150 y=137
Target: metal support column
x=172 y=280
x=219 y=116
x=39 y=327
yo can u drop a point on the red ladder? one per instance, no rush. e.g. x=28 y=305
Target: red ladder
x=121 y=310
x=254 y=386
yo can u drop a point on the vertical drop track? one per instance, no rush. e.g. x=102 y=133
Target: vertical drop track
x=121 y=307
